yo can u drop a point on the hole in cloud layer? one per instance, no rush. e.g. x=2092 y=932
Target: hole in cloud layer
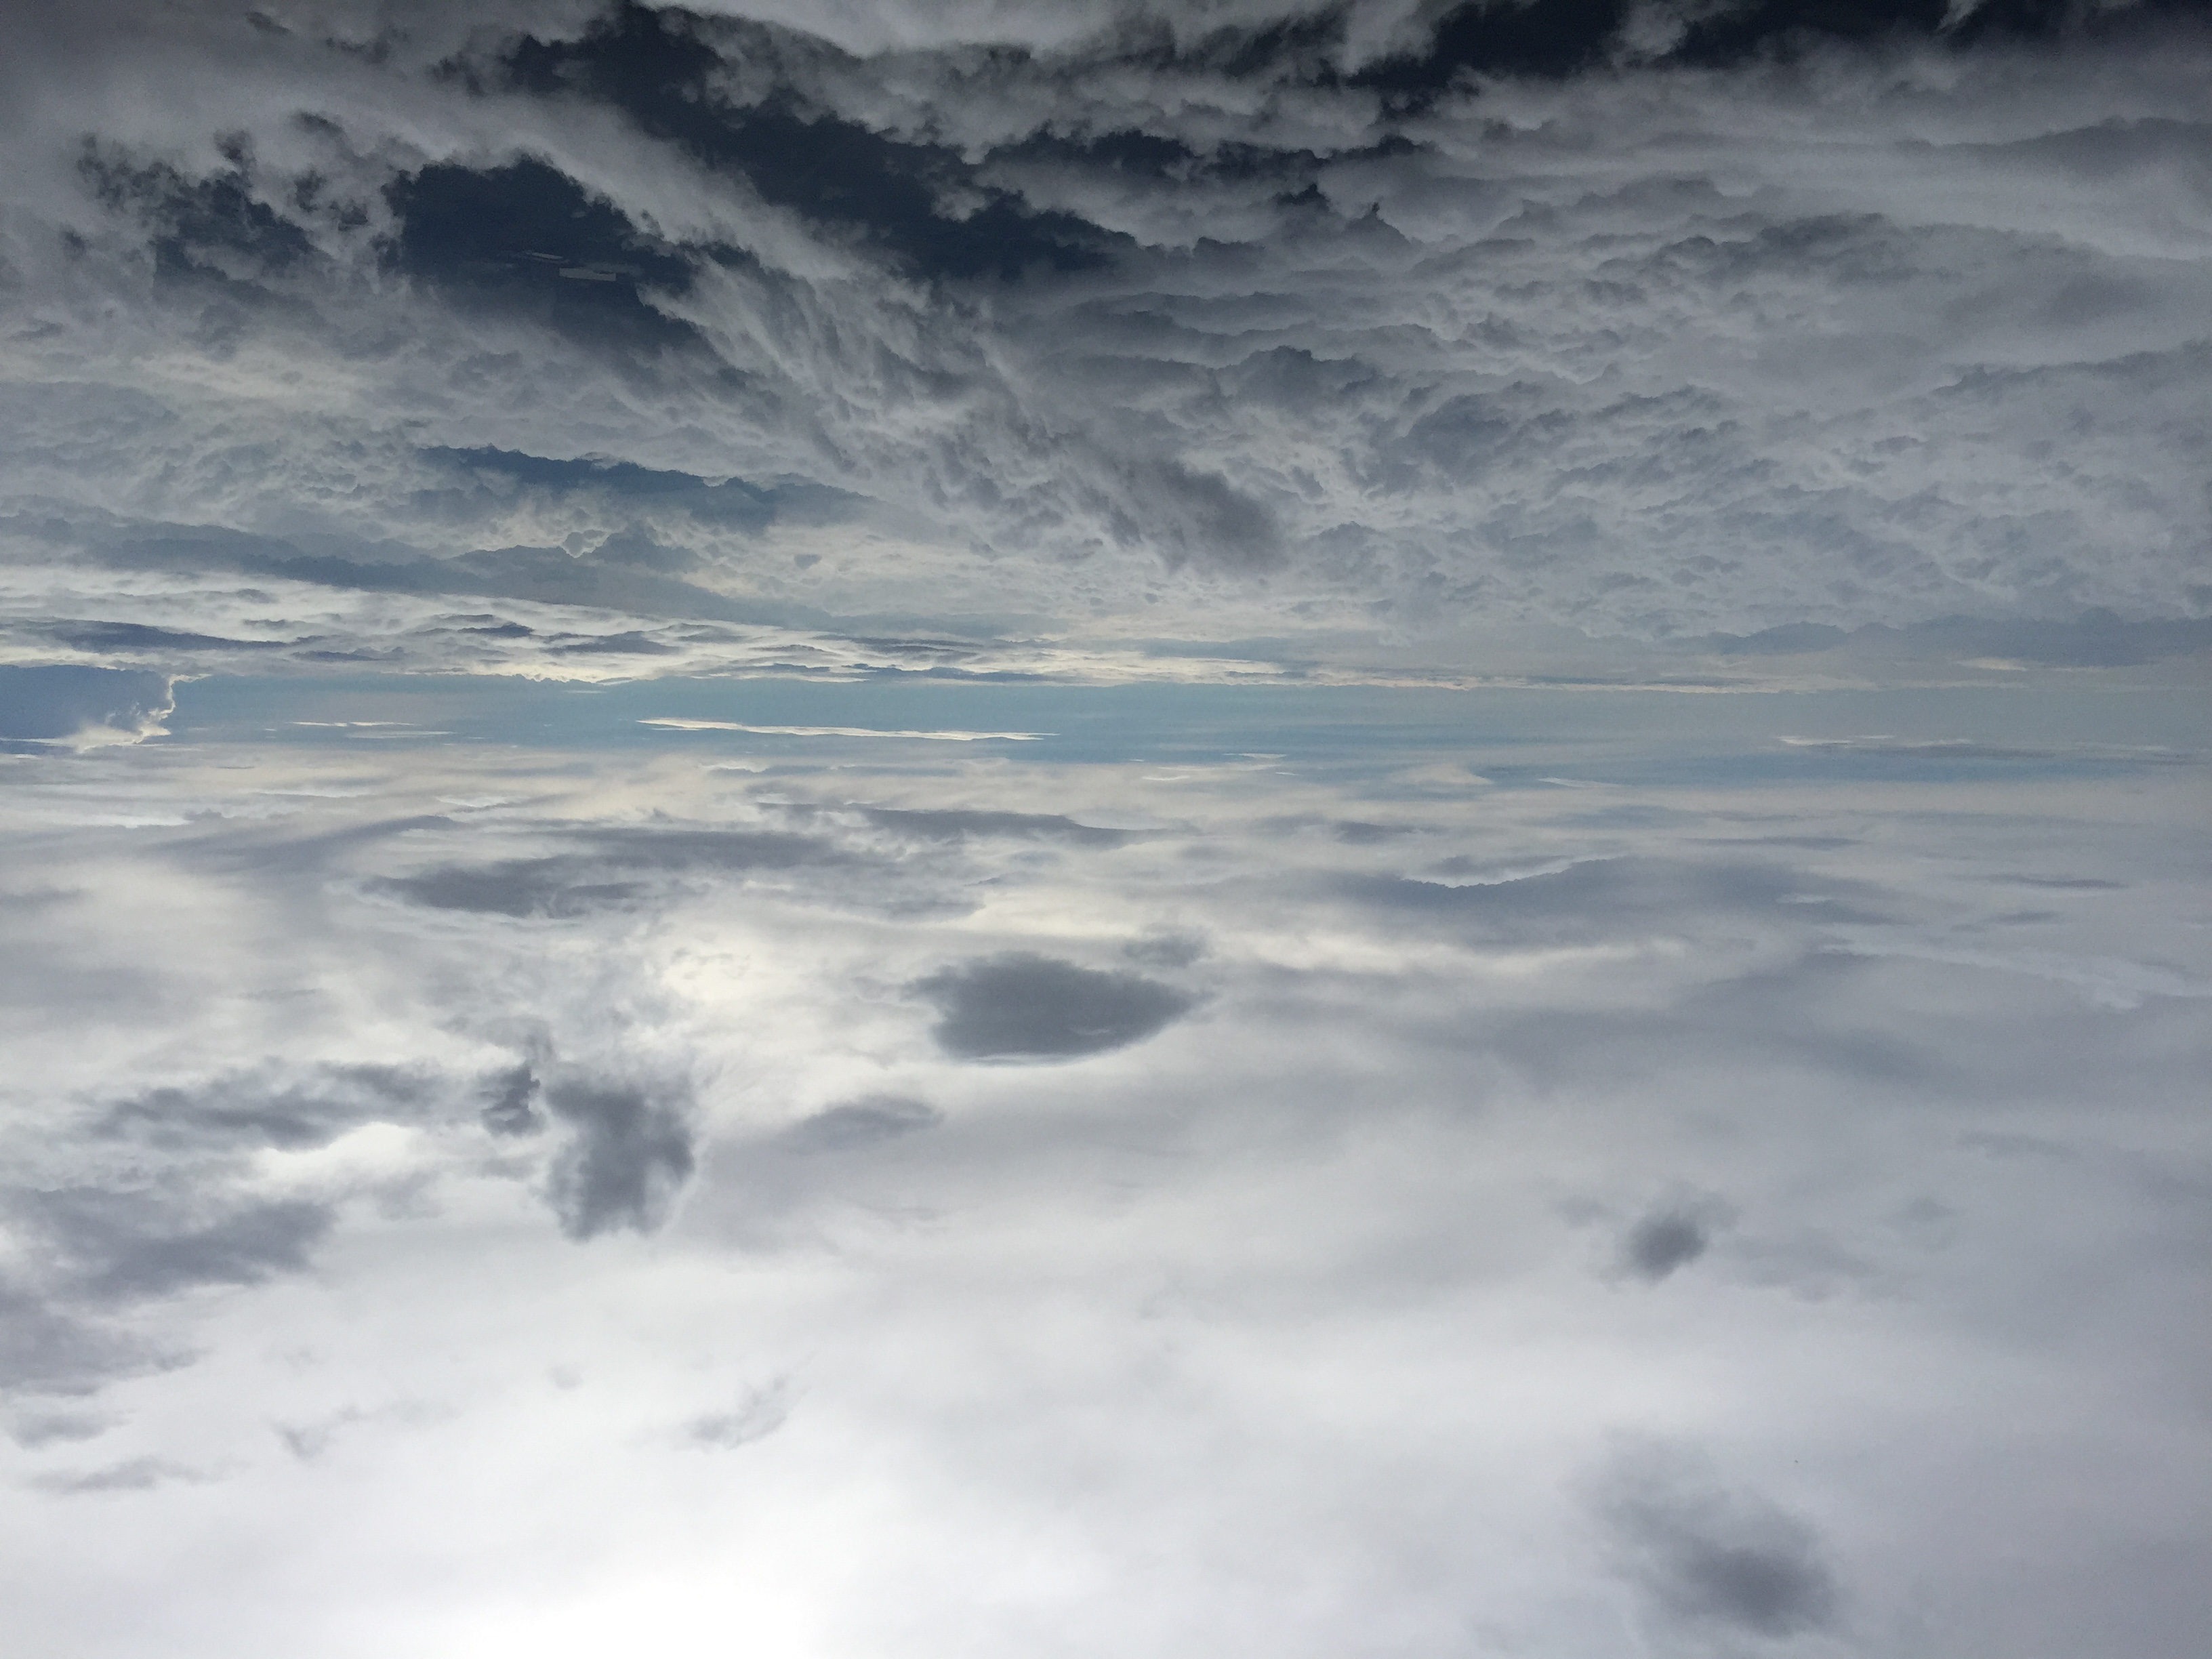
x=630 y=1154
x=1021 y=1005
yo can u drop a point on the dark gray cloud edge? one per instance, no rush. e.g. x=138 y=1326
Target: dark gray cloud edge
x=1021 y=1005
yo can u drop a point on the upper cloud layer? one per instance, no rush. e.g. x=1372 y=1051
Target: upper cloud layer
x=1218 y=321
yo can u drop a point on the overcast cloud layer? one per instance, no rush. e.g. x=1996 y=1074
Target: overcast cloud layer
x=892 y=830
x=753 y=339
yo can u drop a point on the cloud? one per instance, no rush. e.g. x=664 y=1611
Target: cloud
x=270 y=1109
x=133 y=1474
x=557 y=888
x=38 y=1429
x=860 y=1123
x=954 y=823
x=565 y=885
x=630 y=1152
x=1669 y=1237
x=1022 y=1005
x=759 y=1414
x=511 y=1106
x=1683 y=324
x=117 y=1245
x=45 y=1349
x=1707 y=1559
x=1603 y=898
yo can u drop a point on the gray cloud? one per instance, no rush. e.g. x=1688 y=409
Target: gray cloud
x=1273 y=309
x=859 y=1123
x=1708 y=1558
x=556 y=888
x=270 y=1109
x=511 y=1104
x=37 y=1429
x=565 y=885
x=963 y=823
x=1609 y=897
x=120 y=1246
x=759 y=1414
x=629 y=1153
x=1021 y=1005
x=1664 y=1239
x=134 y=1474
x=45 y=1349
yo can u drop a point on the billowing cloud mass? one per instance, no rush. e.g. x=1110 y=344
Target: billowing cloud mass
x=589 y=341
x=979 y=829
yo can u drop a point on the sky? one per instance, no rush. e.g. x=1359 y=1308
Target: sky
x=963 y=827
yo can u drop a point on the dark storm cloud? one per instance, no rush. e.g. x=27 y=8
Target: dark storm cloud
x=860 y=1123
x=57 y=703
x=1021 y=1005
x=629 y=1153
x=1708 y=1559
